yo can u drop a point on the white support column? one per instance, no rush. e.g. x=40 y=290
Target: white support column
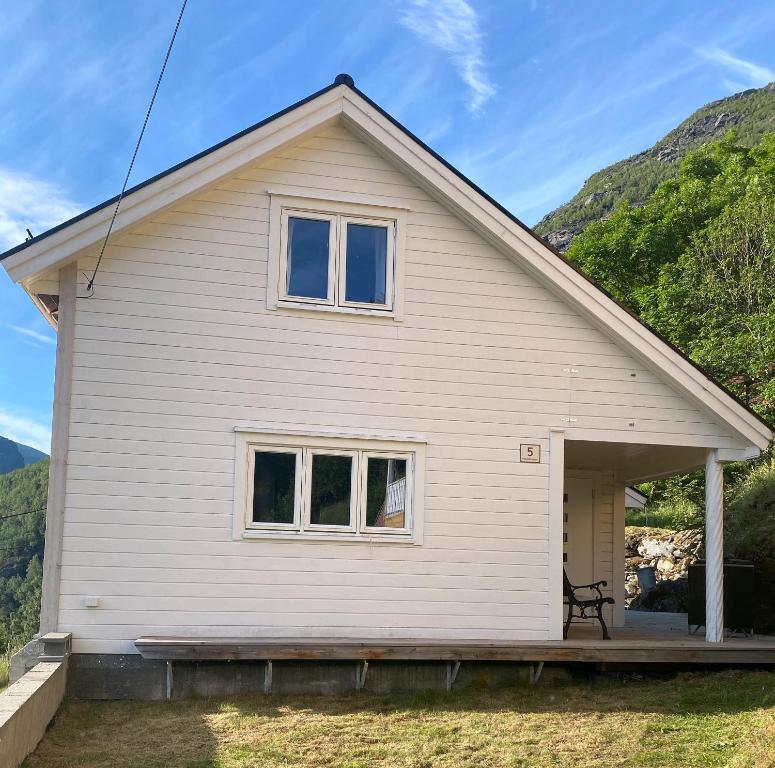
x=619 y=553
x=60 y=438
x=714 y=548
x=556 y=496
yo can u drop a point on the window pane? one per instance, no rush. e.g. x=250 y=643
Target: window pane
x=331 y=490
x=274 y=486
x=308 y=258
x=386 y=493
x=366 y=264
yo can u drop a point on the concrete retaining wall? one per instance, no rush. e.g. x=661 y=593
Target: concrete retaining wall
x=27 y=707
x=24 y=660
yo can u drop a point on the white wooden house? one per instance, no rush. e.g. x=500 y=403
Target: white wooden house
x=325 y=386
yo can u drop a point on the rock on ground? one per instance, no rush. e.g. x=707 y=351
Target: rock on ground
x=670 y=553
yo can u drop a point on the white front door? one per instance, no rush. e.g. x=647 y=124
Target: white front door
x=579 y=530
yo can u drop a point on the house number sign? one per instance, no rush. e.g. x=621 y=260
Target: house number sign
x=530 y=454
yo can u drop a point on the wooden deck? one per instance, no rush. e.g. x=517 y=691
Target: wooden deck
x=647 y=638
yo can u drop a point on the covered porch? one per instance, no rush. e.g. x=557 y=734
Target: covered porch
x=587 y=479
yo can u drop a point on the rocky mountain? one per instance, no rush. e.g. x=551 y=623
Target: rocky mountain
x=16 y=455
x=750 y=113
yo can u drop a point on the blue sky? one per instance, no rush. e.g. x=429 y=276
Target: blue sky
x=527 y=98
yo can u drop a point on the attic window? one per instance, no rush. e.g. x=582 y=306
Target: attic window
x=333 y=257
x=340 y=261
x=308 y=265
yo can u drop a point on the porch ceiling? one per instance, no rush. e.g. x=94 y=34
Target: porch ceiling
x=631 y=461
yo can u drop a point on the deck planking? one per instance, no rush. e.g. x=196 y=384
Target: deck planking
x=643 y=640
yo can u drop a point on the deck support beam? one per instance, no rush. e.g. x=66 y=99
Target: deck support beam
x=714 y=548
x=453 y=667
x=360 y=675
x=169 y=681
x=535 y=672
x=268 y=676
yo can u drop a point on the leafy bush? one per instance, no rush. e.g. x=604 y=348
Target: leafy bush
x=750 y=535
x=674 y=514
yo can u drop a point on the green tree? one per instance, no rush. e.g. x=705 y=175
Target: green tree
x=21 y=552
x=717 y=302
x=697 y=262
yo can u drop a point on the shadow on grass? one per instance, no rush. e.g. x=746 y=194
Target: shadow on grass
x=572 y=691
x=387 y=729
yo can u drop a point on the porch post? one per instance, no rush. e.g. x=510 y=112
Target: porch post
x=556 y=497
x=714 y=548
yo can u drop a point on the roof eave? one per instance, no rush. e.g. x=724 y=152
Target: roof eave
x=61 y=243
x=475 y=206
x=58 y=244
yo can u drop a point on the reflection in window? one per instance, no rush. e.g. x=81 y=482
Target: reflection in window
x=331 y=490
x=366 y=277
x=308 y=243
x=386 y=493
x=274 y=487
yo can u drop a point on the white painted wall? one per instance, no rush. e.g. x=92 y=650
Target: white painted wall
x=601 y=549
x=176 y=347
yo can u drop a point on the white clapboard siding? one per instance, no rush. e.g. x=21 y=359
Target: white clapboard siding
x=176 y=348
x=47 y=282
x=604 y=531
x=207 y=583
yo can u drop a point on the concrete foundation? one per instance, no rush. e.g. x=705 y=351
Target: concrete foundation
x=105 y=676
x=116 y=676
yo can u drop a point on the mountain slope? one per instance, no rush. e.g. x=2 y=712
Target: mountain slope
x=22 y=494
x=16 y=455
x=750 y=113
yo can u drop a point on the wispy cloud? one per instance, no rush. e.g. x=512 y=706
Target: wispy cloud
x=452 y=26
x=29 y=332
x=748 y=73
x=24 y=430
x=29 y=202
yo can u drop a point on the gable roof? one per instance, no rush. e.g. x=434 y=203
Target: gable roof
x=633 y=498
x=342 y=100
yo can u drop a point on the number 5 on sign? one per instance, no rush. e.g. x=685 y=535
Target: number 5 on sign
x=530 y=454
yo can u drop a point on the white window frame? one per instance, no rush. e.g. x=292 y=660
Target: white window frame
x=408 y=497
x=333 y=239
x=309 y=456
x=250 y=439
x=252 y=450
x=371 y=213
x=390 y=226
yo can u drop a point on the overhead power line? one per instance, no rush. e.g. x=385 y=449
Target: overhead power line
x=19 y=514
x=90 y=284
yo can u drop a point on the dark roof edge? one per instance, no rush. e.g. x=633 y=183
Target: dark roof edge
x=348 y=82
x=559 y=255
x=152 y=179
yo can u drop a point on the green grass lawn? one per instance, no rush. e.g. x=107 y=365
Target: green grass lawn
x=5 y=664
x=698 y=719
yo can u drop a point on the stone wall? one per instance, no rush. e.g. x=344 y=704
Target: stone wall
x=670 y=553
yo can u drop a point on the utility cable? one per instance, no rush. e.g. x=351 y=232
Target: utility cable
x=19 y=514
x=90 y=284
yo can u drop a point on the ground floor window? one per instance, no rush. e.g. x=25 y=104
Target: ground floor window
x=336 y=487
